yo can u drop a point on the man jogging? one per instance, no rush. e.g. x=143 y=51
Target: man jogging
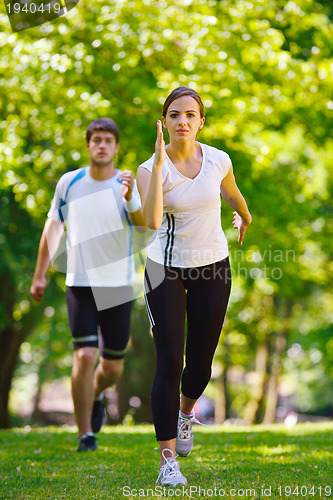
x=99 y=205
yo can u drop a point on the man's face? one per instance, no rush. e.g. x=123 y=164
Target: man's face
x=102 y=148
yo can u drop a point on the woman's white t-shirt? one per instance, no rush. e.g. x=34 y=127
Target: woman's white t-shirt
x=191 y=234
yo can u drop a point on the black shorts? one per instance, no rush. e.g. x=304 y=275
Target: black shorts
x=113 y=322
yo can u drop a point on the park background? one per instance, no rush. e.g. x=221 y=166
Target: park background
x=264 y=71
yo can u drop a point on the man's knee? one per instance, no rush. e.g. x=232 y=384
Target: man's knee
x=85 y=357
x=112 y=367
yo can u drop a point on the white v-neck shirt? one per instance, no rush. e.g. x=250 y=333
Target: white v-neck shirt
x=191 y=234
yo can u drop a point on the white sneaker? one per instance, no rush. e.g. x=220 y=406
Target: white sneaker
x=170 y=474
x=184 y=440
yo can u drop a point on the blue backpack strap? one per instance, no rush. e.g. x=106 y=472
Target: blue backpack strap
x=63 y=201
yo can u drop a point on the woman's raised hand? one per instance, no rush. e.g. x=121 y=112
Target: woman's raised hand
x=159 y=146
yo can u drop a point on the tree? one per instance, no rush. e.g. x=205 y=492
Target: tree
x=263 y=70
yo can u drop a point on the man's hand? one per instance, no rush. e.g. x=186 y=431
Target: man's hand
x=127 y=183
x=37 y=288
x=240 y=224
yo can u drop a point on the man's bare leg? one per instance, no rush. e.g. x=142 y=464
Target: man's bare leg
x=83 y=386
x=106 y=374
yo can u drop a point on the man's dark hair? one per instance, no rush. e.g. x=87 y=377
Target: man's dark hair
x=104 y=125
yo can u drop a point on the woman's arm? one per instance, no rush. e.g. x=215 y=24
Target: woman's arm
x=150 y=185
x=231 y=193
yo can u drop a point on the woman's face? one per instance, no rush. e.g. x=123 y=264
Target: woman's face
x=183 y=120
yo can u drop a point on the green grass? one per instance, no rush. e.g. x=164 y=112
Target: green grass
x=43 y=464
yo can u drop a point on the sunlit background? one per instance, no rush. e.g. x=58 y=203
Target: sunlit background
x=264 y=71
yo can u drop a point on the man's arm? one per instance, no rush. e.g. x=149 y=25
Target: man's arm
x=48 y=246
x=137 y=220
x=136 y=216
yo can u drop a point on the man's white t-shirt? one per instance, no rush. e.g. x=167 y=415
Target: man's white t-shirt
x=191 y=234
x=99 y=234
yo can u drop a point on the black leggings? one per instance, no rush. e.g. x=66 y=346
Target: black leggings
x=202 y=293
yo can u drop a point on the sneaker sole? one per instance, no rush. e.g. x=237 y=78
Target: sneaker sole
x=83 y=450
x=182 y=454
x=171 y=485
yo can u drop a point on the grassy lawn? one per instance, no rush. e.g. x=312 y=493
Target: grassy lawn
x=226 y=462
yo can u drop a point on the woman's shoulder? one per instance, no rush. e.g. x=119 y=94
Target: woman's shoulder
x=219 y=158
x=148 y=164
x=214 y=153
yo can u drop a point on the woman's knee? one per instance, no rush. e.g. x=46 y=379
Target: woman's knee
x=170 y=367
x=195 y=381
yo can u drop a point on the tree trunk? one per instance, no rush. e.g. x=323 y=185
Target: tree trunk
x=258 y=387
x=36 y=414
x=10 y=341
x=272 y=389
x=11 y=338
x=220 y=413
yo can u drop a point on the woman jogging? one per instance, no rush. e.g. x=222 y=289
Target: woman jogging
x=187 y=270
